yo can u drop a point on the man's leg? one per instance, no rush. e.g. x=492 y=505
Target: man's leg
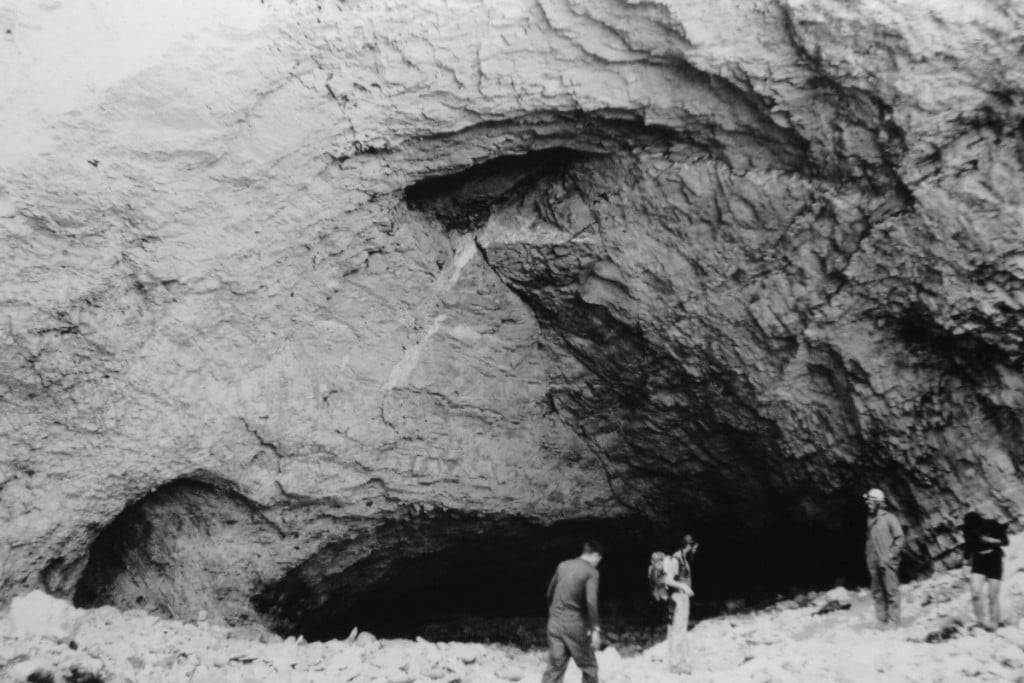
x=581 y=653
x=875 y=572
x=977 y=600
x=558 y=659
x=678 y=650
x=993 y=602
x=891 y=585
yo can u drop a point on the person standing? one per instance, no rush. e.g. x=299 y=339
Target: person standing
x=983 y=541
x=573 y=626
x=882 y=548
x=678 y=578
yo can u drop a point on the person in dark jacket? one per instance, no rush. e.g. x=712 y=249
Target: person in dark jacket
x=574 y=629
x=983 y=541
x=882 y=548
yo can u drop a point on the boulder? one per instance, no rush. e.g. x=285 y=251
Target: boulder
x=838 y=594
x=30 y=670
x=39 y=614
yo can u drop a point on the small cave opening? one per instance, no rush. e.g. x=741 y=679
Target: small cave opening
x=462 y=201
x=191 y=546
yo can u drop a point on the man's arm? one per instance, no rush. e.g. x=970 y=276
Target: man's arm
x=998 y=537
x=551 y=587
x=679 y=586
x=672 y=570
x=896 y=530
x=591 y=588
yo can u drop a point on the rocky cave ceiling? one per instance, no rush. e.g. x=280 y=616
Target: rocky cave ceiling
x=305 y=301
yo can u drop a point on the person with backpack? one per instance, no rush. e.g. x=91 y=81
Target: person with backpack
x=675 y=579
x=983 y=541
x=882 y=547
x=572 y=605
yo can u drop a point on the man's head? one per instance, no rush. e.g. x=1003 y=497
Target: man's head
x=592 y=552
x=972 y=520
x=688 y=541
x=874 y=499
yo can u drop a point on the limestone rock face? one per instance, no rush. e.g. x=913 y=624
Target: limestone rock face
x=288 y=286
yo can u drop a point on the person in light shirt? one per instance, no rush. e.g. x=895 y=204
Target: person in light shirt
x=678 y=579
x=882 y=547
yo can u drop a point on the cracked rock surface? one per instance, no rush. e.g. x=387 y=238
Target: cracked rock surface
x=288 y=284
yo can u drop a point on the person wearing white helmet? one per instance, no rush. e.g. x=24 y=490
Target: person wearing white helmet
x=882 y=548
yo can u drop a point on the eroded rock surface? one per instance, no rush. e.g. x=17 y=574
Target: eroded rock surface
x=296 y=285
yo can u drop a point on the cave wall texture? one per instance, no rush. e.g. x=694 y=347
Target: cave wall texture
x=293 y=288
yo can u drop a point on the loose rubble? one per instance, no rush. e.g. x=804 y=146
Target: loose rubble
x=43 y=638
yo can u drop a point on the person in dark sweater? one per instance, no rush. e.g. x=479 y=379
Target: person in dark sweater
x=983 y=541
x=573 y=625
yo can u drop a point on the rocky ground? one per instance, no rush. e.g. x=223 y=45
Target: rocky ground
x=46 y=639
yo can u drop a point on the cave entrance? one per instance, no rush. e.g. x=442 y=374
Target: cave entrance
x=453 y=577
x=191 y=546
x=464 y=577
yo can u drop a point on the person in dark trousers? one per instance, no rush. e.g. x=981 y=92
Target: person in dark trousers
x=882 y=548
x=983 y=541
x=573 y=626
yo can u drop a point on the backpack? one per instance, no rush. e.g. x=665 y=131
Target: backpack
x=656 y=576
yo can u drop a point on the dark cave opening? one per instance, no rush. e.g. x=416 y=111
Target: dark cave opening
x=462 y=201
x=484 y=579
x=445 y=570
x=192 y=545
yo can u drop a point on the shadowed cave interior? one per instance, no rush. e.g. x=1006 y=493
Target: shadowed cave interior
x=198 y=546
